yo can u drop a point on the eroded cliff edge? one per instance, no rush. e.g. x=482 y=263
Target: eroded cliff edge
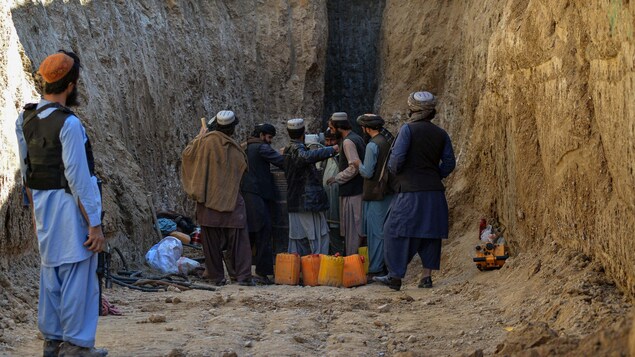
x=537 y=97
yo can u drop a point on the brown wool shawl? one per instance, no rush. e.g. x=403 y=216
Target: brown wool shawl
x=211 y=170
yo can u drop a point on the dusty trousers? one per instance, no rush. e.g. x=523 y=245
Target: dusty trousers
x=236 y=242
x=264 y=250
x=259 y=212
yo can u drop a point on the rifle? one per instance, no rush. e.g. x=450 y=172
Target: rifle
x=103 y=264
x=103 y=271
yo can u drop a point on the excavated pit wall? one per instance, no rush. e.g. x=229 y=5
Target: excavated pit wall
x=151 y=70
x=535 y=95
x=537 y=98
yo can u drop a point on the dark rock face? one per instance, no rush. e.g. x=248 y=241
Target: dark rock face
x=352 y=60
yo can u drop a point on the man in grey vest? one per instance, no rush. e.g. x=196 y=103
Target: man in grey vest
x=350 y=182
x=58 y=170
x=258 y=191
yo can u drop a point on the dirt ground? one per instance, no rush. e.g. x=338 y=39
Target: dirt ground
x=531 y=307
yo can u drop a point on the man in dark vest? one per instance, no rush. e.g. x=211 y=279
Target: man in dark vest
x=418 y=220
x=258 y=191
x=57 y=167
x=350 y=182
x=377 y=194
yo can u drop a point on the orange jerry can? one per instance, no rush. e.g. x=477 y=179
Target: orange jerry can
x=363 y=251
x=310 y=269
x=287 y=270
x=490 y=256
x=353 y=274
x=331 y=271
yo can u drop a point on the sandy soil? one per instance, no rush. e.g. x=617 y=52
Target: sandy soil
x=282 y=320
x=564 y=306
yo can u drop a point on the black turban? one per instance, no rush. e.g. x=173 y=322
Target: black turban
x=372 y=121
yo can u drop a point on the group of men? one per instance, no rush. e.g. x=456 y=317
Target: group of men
x=377 y=189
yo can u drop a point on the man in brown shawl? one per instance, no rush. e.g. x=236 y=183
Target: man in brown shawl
x=213 y=165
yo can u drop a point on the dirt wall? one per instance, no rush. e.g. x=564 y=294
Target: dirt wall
x=151 y=70
x=535 y=95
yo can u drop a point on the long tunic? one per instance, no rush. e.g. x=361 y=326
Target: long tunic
x=333 y=213
x=336 y=243
x=61 y=227
x=422 y=214
x=311 y=228
x=69 y=290
x=350 y=206
x=374 y=213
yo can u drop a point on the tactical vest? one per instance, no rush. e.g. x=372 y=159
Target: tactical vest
x=44 y=163
x=420 y=171
x=355 y=186
x=374 y=190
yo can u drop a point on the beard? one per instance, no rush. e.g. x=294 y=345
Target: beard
x=366 y=137
x=338 y=134
x=72 y=99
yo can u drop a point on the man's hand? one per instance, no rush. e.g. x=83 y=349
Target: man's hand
x=330 y=180
x=203 y=131
x=96 y=241
x=336 y=147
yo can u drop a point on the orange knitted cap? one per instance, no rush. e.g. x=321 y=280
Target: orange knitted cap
x=55 y=67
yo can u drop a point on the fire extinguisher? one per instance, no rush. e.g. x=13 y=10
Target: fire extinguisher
x=196 y=236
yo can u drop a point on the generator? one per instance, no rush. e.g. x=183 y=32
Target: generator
x=490 y=256
x=492 y=252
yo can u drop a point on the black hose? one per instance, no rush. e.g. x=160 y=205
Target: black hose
x=142 y=288
x=202 y=287
x=123 y=261
x=127 y=278
x=129 y=273
x=195 y=246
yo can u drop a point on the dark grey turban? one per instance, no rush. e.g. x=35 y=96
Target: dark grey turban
x=370 y=121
